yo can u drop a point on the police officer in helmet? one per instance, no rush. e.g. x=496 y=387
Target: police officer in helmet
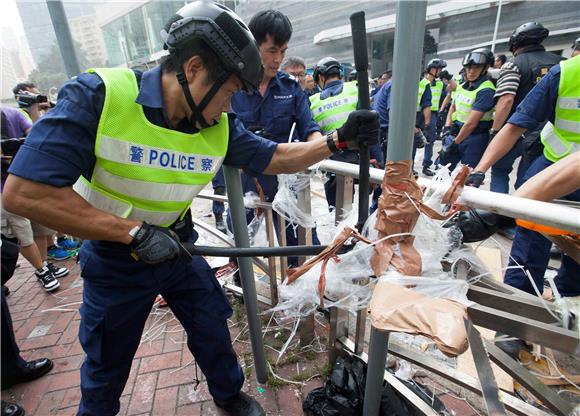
x=517 y=77
x=471 y=113
x=330 y=109
x=137 y=148
x=432 y=73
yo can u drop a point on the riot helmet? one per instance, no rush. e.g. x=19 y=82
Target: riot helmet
x=479 y=56
x=228 y=37
x=325 y=67
x=531 y=33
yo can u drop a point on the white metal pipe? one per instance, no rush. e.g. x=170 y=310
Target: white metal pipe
x=560 y=216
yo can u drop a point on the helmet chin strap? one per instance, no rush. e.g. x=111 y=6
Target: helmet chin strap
x=197 y=110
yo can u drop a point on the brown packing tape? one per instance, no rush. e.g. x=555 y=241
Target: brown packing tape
x=399 y=309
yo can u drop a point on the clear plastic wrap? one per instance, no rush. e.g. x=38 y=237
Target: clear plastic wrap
x=286 y=200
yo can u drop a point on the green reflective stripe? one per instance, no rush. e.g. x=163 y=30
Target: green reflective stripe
x=422 y=87
x=464 y=100
x=436 y=91
x=332 y=112
x=563 y=137
x=143 y=171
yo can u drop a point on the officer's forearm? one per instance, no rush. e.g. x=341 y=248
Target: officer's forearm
x=427 y=115
x=501 y=144
x=502 y=110
x=449 y=119
x=64 y=210
x=296 y=157
x=555 y=181
x=314 y=136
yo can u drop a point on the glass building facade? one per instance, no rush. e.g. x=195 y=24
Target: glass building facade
x=135 y=36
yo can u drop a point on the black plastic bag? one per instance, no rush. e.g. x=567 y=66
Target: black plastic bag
x=343 y=393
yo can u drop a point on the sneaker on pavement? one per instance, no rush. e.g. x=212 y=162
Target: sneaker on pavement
x=67 y=243
x=241 y=405
x=427 y=171
x=57 y=253
x=47 y=279
x=57 y=272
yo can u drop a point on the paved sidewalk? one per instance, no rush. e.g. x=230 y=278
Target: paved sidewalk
x=161 y=379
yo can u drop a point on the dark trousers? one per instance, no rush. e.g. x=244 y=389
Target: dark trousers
x=218 y=183
x=118 y=295
x=532 y=251
x=12 y=362
x=500 y=171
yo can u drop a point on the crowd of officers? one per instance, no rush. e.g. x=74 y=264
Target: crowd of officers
x=282 y=120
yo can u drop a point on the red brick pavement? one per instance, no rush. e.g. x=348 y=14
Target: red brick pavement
x=160 y=382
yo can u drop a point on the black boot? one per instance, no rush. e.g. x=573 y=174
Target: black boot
x=427 y=171
x=241 y=405
x=220 y=224
x=12 y=409
x=31 y=371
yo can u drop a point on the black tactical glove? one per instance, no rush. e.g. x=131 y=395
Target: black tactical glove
x=444 y=133
x=448 y=151
x=153 y=245
x=475 y=179
x=420 y=139
x=362 y=126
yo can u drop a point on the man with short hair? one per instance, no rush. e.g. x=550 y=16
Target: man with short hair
x=275 y=107
x=124 y=153
x=295 y=66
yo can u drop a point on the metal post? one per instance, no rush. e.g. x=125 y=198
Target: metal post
x=496 y=26
x=306 y=329
x=238 y=214
x=271 y=260
x=63 y=36
x=409 y=37
x=375 y=371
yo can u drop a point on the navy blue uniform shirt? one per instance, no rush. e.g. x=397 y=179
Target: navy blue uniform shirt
x=484 y=101
x=381 y=104
x=540 y=103
x=60 y=146
x=283 y=103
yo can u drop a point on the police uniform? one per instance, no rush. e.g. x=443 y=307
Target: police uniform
x=381 y=104
x=476 y=96
x=330 y=109
x=87 y=134
x=518 y=77
x=437 y=95
x=424 y=98
x=555 y=99
x=272 y=116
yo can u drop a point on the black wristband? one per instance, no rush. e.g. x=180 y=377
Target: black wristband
x=331 y=145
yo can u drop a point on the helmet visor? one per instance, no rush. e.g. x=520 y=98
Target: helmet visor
x=475 y=58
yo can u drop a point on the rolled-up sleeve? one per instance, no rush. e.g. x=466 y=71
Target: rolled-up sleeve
x=247 y=150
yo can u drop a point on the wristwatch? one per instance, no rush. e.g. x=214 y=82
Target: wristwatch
x=134 y=233
x=331 y=145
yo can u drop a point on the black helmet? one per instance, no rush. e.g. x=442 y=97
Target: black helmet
x=224 y=32
x=531 y=33
x=436 y=63
x=325 y=67
x=576 y=44
x=229 y=38
x=479 y=56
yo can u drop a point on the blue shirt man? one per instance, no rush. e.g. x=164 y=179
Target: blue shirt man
x=530 y=249
x=279 y=106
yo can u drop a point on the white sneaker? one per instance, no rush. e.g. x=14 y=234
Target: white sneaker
x=57 y=272
x=47 y=279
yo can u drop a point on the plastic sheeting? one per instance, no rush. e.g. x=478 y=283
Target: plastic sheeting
x=286 y=200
